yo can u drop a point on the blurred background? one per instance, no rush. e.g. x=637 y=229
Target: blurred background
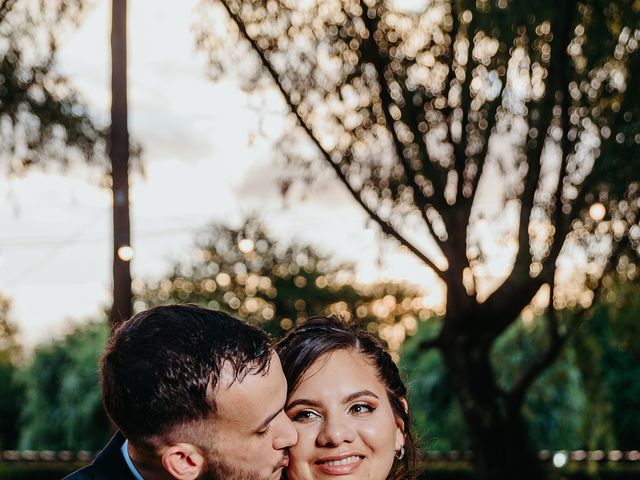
x=460 y=178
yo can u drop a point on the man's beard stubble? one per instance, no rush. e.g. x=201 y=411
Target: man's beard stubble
x=219 y=470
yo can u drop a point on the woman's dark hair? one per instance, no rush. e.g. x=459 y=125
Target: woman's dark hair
x=307 y=342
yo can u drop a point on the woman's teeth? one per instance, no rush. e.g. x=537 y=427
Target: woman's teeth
x=344 y=461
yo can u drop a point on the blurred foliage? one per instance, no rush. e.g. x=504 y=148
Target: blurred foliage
x=62 y=407
x=250 y=274
x=589 y=399
x=555 y=407
x=608 y=354
x=37 y=470
x=431 y=471
x=42 y=118
x=10 y=349
x=11 y=392
x=556 y=404
x=436 y=414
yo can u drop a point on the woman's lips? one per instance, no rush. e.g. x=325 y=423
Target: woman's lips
x=341 y=465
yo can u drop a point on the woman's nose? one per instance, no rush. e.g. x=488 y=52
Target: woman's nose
x=335 y=430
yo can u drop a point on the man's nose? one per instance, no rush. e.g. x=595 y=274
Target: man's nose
x=288 y=435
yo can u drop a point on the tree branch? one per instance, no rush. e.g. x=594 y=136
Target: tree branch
x=380 y=62
x=480 y=162
x=556 y=340
x=5 y=7
x=560 y=219
x=386 y=227
x=460 y=148
x=519 y=283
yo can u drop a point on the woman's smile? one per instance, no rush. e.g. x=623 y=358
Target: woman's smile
x=339 y=465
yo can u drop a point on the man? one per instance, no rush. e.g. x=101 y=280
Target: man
x=195 y=394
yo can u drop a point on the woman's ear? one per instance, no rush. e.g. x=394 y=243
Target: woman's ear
x=404 y=403
x=400 y=440
x=183 y=461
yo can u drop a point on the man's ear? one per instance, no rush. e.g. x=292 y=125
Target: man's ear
x=183 y=461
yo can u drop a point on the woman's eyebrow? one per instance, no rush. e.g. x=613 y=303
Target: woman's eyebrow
x=302 y=401
x=362 y=393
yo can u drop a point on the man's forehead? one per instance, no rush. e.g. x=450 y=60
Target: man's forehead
x=246 y=400
x=232 y=374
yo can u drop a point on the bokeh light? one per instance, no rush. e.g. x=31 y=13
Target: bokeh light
x=559 y=459
x=246 y=245
x=597 y=211
x=125 y=253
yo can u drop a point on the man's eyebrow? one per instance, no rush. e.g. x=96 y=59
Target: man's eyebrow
x=268 y=420
x=361 y=393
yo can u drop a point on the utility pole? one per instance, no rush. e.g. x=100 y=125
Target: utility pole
x=119 y=155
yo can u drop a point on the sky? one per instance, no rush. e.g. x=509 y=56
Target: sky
x=202 y=162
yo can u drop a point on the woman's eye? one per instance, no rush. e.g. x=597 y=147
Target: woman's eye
x=361 y=408
x=304 y=416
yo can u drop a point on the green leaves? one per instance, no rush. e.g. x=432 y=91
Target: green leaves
x=63 y=408
x=43 y=119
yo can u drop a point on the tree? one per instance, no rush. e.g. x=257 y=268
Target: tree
x=62 y=408
x=247 y=273
x=10 y=391
x=428 y=113
x=43 y=120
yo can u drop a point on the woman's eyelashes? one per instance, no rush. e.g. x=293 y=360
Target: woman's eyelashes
x=357 y=409
x=304 y=416
x=361 y=409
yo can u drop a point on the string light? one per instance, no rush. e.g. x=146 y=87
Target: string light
x=125 y=253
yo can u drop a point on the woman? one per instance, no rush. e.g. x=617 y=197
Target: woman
x=347 y=401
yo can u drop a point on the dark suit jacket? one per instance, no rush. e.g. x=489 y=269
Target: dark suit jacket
x=108 y=465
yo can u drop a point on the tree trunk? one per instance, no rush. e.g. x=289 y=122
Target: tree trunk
x=498 y=432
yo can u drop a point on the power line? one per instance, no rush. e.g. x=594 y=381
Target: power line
x=31 y=241
x=48 y=256
x=37 y=241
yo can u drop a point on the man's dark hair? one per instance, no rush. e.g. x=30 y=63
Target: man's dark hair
x=306 y=343
x=160 y=367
